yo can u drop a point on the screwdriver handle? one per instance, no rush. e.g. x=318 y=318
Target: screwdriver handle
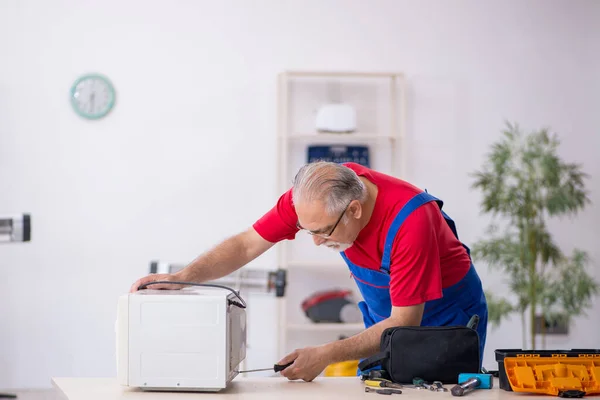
x=279 y=368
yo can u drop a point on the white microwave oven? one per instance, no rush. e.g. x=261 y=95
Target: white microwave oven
x=179 y=340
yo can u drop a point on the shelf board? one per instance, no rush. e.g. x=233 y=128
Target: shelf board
x=355 y=74
x=338 y=137
x=326 y=327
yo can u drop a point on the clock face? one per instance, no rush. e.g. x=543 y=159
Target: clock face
x=92 y=96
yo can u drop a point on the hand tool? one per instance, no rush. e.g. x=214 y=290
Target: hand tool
x=383 y=383
x=387 y=383
x=276 y=368
x=413 y=387
x=383 y=391
x=469 y=382
x=493 y=373
x=438 y=386
x=418 y=382
x=375 y=375
x=473 y=322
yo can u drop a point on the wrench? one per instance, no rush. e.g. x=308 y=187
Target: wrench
x=435 y=387
x=418 y=382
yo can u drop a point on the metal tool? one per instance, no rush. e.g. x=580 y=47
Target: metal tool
x=276 y=368
x=434 y=387
x=383 y=383
x=438 y=386
x=469 y=382
x=375 y=375
x=473 y=322
x=421 y=383
x=493 y=373
x=382 y=391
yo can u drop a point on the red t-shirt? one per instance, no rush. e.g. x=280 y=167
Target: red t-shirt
x=426 y=256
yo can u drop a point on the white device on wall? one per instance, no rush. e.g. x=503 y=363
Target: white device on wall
x=15 y=228
x=336 y=118
x=180 y=340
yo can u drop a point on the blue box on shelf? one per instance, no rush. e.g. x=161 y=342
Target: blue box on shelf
x=339 y=154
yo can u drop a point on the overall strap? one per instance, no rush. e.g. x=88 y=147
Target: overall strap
x=452 y=226
x=414 y=203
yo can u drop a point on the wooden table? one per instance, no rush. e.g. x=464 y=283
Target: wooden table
x=277 y=388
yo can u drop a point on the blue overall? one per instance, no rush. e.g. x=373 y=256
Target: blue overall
x=458 y=303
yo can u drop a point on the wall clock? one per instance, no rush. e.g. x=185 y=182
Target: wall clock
x=92 y=96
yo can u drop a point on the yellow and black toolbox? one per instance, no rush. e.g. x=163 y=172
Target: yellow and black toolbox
x=564 y=373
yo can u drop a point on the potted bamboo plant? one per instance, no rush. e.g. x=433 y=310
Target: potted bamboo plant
x=524 y=184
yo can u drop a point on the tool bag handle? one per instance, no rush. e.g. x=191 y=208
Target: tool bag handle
x=373 y=361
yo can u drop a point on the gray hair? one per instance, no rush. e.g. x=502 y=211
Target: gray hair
x=329 y=182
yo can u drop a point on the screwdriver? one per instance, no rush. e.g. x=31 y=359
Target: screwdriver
x=382 y=383
x=276 y=368
x=383 y=391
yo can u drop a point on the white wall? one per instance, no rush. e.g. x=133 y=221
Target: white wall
x=167 y=174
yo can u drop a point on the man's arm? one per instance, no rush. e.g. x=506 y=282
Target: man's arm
x=366 y=343
x=223 y=259
x=226 y=257
x=309 y=362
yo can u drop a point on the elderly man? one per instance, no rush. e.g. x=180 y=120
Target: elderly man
x=401 y=248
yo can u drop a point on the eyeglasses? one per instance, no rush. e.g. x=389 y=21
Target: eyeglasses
x=325 y=235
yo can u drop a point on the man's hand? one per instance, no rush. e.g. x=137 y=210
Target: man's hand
x=308 y=363
x=156 y=278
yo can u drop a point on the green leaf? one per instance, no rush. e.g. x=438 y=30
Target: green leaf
x=498 y=309
x=575 y=287
x=524 y=182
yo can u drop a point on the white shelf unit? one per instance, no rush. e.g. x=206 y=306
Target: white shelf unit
x=379 y=100
x=339 y=137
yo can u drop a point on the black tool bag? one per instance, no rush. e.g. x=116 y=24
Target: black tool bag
x=433 y=353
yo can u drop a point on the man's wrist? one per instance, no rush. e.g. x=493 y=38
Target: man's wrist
x=331 y=351
x=185 y=275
